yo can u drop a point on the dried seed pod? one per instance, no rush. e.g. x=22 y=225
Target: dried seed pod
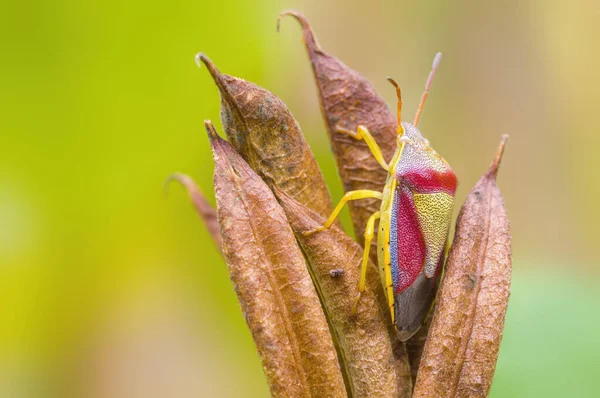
x=348 y=100
x=363 y=339
x=262 y=129
x=270 y=277
x=462 y=346
x=206 y=212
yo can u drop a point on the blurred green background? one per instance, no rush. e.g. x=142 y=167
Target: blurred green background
x=109 y=290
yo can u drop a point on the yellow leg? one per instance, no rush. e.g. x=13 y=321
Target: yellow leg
x=363 y=134
x=350 y=195
x=369 y=233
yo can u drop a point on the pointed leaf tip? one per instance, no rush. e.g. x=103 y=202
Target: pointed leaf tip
x=264 y=132
x=202 y=58
x=184 y=179
x=210 y=129
x=309 y=37
x=283 y=14
x=493 y=170
x=169 y=180
x=198 y=60
x=206 y=212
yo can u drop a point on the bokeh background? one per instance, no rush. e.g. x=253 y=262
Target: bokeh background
x=107 y=289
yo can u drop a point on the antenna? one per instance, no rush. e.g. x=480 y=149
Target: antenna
x=436 y=63
x=399 y=95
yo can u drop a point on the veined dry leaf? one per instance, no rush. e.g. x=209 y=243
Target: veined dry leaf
x=363 y=339
x=271 y=279
x=348 y=100
x=462 y=346
x=262 y=129
x=206 y=212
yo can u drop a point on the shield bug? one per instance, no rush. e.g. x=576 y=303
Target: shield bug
x=414 y=219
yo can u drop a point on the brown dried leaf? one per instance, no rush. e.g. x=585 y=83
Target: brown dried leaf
x=270 y=277
x=262 y=129
x=363 y=339
x=348 y=100
x=206 y=212
x=462 y=347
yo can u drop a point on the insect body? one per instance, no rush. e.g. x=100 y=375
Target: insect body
x=415 y=213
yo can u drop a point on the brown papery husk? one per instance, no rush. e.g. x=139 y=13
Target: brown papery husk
x=348 y=100
x=263 y=130
x=461 y=351
x=207 y=213
x=272 y=282
x=363 y=339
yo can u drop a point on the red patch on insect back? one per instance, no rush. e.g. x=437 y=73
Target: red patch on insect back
x=426 y=180
x=410 y=246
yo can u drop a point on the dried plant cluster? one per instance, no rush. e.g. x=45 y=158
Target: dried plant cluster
x=297 y=290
